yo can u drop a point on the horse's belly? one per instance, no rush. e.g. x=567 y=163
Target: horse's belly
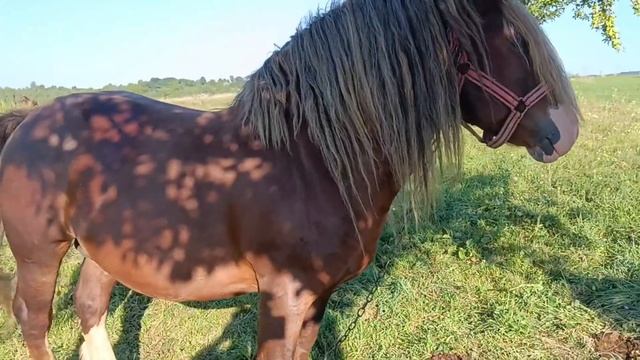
x=172 y=280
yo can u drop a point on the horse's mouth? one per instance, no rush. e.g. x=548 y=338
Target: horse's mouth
x=542 y=155
x=559 y=141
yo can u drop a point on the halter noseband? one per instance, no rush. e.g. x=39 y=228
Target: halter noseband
x=518 y=105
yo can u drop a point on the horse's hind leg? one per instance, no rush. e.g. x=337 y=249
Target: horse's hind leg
x=37 y=270
x=7 y=292
x=92 y=303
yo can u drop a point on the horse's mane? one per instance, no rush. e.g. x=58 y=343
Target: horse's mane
x=372 y=81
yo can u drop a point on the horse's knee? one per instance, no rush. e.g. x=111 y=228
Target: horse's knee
x=92 y=294
x=20 y=310
x=33 y=322
x=88 y=308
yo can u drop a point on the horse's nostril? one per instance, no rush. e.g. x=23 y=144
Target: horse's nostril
x=547 y=146
x=554 y=134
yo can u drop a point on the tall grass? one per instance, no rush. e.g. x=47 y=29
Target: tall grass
x=5 y=106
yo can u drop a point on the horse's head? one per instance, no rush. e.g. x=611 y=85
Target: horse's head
x=523 y=96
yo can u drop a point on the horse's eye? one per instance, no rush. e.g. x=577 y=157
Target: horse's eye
x=517 y=42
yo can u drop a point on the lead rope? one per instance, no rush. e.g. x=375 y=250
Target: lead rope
x=382 y=273
x=472 y=131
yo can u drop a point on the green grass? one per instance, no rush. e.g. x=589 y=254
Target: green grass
x=5 y=106
x=204 y=101
x=521 y=261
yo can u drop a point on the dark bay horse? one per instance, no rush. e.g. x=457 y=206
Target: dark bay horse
x=286 y=192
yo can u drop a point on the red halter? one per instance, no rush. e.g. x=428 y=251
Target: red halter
x=518 y=105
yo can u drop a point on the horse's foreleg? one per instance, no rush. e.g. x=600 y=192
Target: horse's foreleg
x=283 y=306
x=311 y=327
x=92 y=303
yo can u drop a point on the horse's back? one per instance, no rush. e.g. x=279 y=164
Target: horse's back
x=173 y=202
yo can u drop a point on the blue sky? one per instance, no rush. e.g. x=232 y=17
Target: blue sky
x=93 y=43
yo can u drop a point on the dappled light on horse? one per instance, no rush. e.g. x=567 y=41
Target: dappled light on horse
x=286 y=192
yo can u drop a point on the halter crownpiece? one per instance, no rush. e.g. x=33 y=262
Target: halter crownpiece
x=518 y=105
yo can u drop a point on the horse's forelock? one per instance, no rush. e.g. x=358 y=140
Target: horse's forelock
x=545 y=60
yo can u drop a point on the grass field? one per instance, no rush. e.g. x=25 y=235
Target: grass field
x=521 y=261
x=204 y=102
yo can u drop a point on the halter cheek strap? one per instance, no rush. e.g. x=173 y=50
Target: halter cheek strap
x=518 y=105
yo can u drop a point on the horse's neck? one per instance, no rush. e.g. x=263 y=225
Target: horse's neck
x=371 y=213
x=376 y=190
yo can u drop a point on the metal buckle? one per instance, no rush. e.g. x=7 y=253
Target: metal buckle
x=521 y=107
x=464 y=68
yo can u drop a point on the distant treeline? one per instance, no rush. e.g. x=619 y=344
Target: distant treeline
x=629 y=73
x=156 y=88
x=625 y=73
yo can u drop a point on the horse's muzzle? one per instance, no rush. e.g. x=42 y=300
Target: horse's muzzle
x=559 y=142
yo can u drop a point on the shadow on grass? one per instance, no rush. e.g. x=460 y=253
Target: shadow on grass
x=476 y=212
x=617 y=300
x=134 y=306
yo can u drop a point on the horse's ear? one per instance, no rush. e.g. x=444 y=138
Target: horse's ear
x=488 y=8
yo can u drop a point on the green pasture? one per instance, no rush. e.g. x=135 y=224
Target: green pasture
x=519 y=261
